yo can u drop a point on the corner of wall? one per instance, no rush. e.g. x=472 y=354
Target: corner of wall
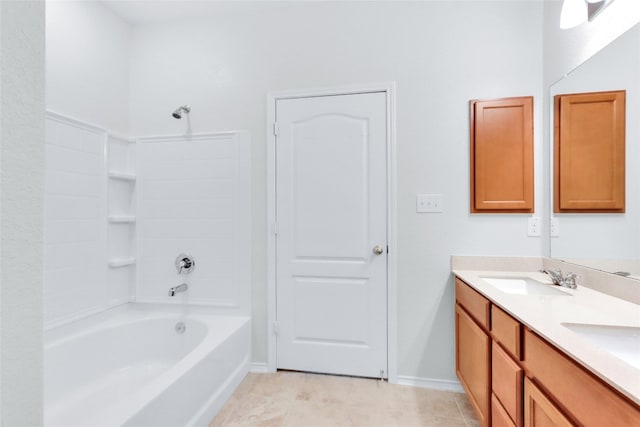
x=22 y=83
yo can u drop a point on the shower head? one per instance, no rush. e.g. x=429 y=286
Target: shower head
x=177 y=114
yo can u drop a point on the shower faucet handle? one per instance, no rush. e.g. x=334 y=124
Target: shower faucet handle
x=185 y=264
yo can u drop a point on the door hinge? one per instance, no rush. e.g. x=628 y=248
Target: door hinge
x=276 y=327
x=275 y=128
x=275 y=228
x=387 y=248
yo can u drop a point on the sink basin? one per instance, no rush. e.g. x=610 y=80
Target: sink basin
x=621 y=341
x=522 y=286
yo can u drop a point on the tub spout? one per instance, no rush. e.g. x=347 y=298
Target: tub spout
x=180 y=288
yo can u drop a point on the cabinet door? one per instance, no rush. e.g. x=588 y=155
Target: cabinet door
x=499 y=416
x=506 y=383
x=589 y=154
x=473 y=363
x=502 y=155
x=587 y=399
x=539 y=411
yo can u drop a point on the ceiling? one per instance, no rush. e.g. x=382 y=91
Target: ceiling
x=137 y=12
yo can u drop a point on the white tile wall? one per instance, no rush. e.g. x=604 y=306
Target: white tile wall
x=75 y=220
x=189 y=196
x=194 y=197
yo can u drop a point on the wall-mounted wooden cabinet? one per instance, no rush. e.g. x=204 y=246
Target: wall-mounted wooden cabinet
x=589 y=152
x=502 y=155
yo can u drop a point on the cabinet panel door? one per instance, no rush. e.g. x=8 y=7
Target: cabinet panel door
x=589 y=154
x=502 y=155
x=473 y=363
x=499 y=416
x=506 y=382
x=539 y=411
x=583 y=396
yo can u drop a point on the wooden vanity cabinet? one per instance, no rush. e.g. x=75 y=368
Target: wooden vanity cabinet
x=473 y=349
x=513 y=377
x=582 y=396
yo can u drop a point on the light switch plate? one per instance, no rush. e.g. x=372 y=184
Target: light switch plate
x=429 y=203
x=534 y=226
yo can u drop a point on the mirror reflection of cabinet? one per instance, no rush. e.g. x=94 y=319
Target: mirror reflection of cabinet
x=589 y=167
x=607 y=241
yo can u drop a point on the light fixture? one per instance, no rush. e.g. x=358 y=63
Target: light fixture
x=597 y=6
x=576 y=12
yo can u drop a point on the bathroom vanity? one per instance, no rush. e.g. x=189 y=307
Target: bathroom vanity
x=529 y=353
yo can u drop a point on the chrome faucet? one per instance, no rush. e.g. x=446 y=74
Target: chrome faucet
x=556 y=275
x=180 y=288
x=568 y=281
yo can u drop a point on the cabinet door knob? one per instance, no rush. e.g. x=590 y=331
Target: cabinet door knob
x=377 y=249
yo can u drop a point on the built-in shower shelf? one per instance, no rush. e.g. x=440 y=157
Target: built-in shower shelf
x=122 y=219
x=121 y=262
x=123 y=176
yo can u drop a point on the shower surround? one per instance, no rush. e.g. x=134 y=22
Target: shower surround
x=118 y=211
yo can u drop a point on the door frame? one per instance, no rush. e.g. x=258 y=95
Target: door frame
x=392 y=323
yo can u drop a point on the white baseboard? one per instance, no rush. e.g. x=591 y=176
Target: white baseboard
x=259 y=368
x=434 y=384
x=445 y=385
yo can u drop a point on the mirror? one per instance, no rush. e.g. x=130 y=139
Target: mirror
x=609 y=242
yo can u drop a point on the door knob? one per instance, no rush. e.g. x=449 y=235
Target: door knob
x=377 y=249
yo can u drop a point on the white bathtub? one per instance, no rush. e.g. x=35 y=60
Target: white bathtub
x=130 y=367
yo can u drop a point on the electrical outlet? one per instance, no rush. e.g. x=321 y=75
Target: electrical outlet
x=534 y=226
x=429 y=203
x=554 y=227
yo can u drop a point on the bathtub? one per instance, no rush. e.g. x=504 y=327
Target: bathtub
x=144 y=365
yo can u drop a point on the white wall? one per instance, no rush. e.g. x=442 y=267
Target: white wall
x=194 y=198
x=21 y=177
x=88 y=63
x=441 y=54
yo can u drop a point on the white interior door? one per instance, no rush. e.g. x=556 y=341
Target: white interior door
x=331 y=258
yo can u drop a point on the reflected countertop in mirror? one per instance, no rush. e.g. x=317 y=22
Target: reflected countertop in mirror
x=609 y=242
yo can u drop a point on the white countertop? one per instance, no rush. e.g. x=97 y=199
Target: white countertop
x=545 y=313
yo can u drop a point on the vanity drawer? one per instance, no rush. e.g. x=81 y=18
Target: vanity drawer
x=590 y=401
x=506 y=330
x=506 y=382
x=475 y=304
x=499 y=416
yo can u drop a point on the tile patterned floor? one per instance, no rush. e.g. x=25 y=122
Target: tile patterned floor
x=295 y=399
